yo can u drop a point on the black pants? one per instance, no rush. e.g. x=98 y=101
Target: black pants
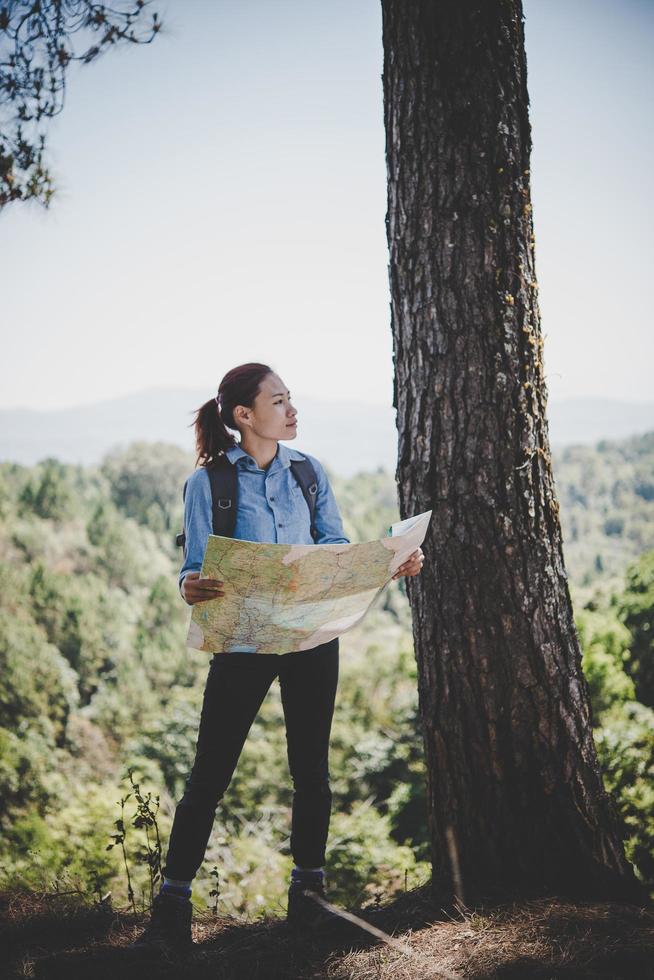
x=236 y=686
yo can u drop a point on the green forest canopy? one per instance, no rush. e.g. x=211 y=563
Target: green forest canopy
x=95 y=677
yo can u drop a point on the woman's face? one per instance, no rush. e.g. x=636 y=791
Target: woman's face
x=272 y=416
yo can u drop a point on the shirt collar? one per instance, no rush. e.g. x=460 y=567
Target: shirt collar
x=282 y=459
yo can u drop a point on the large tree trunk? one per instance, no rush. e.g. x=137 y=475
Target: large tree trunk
x=516 y=795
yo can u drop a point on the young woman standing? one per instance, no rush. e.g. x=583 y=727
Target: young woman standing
x=254 y=401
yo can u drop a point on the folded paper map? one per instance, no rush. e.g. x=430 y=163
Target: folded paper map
x=285 y=597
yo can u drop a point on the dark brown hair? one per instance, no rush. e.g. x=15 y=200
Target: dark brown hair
x=240 y=386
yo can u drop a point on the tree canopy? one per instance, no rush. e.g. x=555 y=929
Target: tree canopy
x=39 y=40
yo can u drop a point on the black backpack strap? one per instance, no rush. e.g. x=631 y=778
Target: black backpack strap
x=224 y=496
x=305 y=475
x=180 y=539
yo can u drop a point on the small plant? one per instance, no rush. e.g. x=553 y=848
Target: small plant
x=145 y=818
x=119 y=838
x=215 y=891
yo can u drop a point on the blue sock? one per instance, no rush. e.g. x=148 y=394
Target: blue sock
x=173 y=888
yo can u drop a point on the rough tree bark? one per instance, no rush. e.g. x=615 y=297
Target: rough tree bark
x=515 y=791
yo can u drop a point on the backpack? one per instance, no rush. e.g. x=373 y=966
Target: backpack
x=224 y=495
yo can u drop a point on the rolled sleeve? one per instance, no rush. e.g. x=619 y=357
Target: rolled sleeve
x=327 y=518
x=197 y=521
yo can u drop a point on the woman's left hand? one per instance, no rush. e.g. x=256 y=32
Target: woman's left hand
x=412 y=565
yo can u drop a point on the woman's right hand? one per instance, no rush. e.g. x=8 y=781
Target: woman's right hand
x=195 y=589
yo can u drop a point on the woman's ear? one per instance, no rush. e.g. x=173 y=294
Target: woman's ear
x=242 y=414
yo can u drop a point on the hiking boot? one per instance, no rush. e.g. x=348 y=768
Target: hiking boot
x=305 y=913
x=169 y=927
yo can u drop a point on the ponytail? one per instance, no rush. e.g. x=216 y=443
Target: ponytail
x=211 y=435
x=215 y=417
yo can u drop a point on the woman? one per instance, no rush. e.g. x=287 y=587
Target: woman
x=253 y=401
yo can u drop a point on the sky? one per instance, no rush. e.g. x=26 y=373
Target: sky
x=222 y=196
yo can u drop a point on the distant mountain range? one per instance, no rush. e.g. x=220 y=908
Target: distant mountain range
x=349 y=437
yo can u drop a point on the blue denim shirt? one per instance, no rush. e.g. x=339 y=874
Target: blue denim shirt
x=271 y=506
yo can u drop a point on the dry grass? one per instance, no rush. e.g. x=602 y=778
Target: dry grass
x=538 y=939
x=47 y=936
